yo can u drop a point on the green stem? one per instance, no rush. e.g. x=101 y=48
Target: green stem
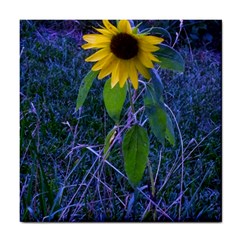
x=135 y=204
x=131 y=98
x=152 y=187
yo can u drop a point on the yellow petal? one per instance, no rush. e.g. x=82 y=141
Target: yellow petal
x=153 y=58
x=115 y=74
x=96 y=38
x=124 y=26
x=87 y=46
x=123 y=72
x=146 y=46
x=145 y=59
x=153 y=39
x=95 y=45
x=107 y=67
x=104 y=72
x=98 y=55
x=104 y=31
x=133 y=74
x=101 y=63
x=142 y=69
x=110 y=27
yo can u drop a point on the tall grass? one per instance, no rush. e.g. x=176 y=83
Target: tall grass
x=62 y=173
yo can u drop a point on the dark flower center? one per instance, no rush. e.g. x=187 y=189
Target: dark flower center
x=124 y=46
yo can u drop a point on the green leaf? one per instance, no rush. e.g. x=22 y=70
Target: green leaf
x=158 y=120
x=108 y=140
x=170 y=136
x=157 y=84
x=150 y=95
x=170 y=58
x=135 y=29
x=85 y=87
x=156 y=113
x=135 y=152
x=114 y=99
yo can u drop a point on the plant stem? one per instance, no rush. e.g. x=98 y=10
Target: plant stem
x=135 y=204
x=152 y=187
x=131 y=98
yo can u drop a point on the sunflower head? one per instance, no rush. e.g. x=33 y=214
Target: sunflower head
x=122 y=53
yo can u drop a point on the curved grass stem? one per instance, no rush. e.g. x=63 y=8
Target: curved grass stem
x=182 y=163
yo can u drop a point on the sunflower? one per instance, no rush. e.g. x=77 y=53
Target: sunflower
x=123 y=52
